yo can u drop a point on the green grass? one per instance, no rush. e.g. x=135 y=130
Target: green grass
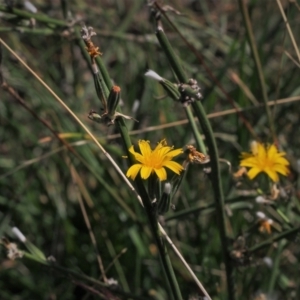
x=47 y=183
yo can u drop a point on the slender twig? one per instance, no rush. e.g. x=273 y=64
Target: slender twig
x=115 y=261
x=186 y=121
x=76 y=179
x=185 y=263
x=218 y=114
x=116 y=257
x=288 y=27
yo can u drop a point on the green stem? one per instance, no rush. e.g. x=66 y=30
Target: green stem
x=215 y=175
x=286 y=234
x=64 y=8
x=176 y=66
x=37 y=31
x=164 y=256
x=258 y=66
x=104 y=73
x=27 y=15
x=195 y=130
x=284 y=217
x=275 y=267
x=216 y=181
x=207 y=208
x=152 y=219
x=117 y=263
x=151 y=213
x=172 y=57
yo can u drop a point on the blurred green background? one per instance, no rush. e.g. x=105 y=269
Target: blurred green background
x=38 y=194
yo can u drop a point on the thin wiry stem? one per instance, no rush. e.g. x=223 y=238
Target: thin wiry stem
x=184 y=262
x=288 y=27
x=209 y=116
x=186 y=121
x=258 y=66
x=115 y=261
x=76 y=180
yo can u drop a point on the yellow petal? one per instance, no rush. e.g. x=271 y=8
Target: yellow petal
x=131 y=150
x=154 y=160
x=175 y=152
x=249 y=162
x=272 y=152
x=282 y=161
x=161 y=144
x=161 y=174
x=145 y=148
x=133 y=171
x=246 y=155
x=272 y=174
x=162 y=151
x=146 y=172
x=137 y=156
x=174 y=166
x=261 y=151
x=265 y=158
x=281 y=169
x=253 y=172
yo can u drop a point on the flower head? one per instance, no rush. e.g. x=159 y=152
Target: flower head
x=196 y=157
x=154 y=161
x=265 y=159
x=265 y=226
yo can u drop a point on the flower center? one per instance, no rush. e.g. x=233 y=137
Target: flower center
x=265 y=163
x=153 y=161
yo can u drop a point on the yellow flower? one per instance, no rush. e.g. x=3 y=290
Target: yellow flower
x=154 y=160
x=265 y=159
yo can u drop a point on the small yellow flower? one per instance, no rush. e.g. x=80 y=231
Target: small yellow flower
x=265 y=159
x=154 y=160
